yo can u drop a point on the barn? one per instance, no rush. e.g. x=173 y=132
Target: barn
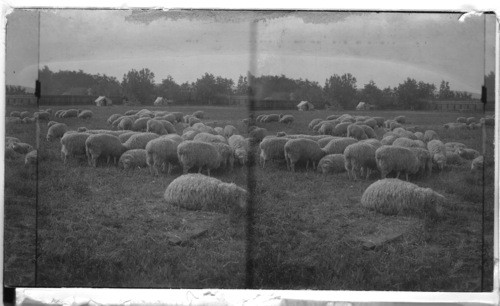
x=103 y=101
x=305 y=106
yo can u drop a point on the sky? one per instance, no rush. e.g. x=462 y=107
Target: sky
x=383 y=47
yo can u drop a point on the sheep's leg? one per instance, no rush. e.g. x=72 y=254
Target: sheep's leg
x=169 y=168
x=185 y=170
x=108 y=159
x=199 y=169
x=292 y=166
x=208 y=171
x=397 y=176
x=406 y=175
x=307 y=164
x=368 y=172
x=383 y=174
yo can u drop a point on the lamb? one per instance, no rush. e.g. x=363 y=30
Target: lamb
x=338 y=145
x=56 y=131
x=28 y=120
x=31 y=158
x=226 y=154
x=240 y=146
x=206 y=137
x=477 y=164
x=219 y=130
x=85 y=114
x=287 y=119
x=162 y=151
x=394 y=125
x=332 y=163
x=424 y=160
x=396 y=197
x=199 y=114
x=200 y=192
x=302 y=149
x=438 y=153
x=155 y=126
x=326 y=128
x=430 y=135
x=105 y=145
x=51 y=123
x=390 y=158
x=272 y=148
x=229 y=131
x=126 y=123
x=359 y=156
x=21 y=147
x=468 y=154
x=112 y=118
x=400 y=119
x=370 y=133
x=139 y=140
x=169 y=127
x=73 y=144
x=198 y=154
x=140 y=124
x=132 y=159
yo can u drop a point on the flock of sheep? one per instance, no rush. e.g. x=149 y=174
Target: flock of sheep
x=358 y=145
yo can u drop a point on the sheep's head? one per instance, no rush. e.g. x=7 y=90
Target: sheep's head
x=241 y=155
x=433 y=202
x=440 y=160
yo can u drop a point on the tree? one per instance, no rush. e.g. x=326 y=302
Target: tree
x=242 y=86
x=169 y=89
x=139 y=85
x=15 y=90
x=445 y=92
x=341 y=90
x=407 y=93
x=489 y=82
x=371 y=94
x=106 y=86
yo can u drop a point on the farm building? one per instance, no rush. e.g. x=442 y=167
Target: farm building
x=162 y=101
x=458 y=106
x=364 y=106
x=305 y=106
x=103 y=101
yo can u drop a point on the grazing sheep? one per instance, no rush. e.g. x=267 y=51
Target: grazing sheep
x=374 y=142
x=21 y=147
x=462 y=120
x=51 y=123
x=324 y=141
x=229 y=131
x=332 y=117
x=407 y=143
x=430 y=135
x=73 y=144
x=132 y=159
x=396 y=197
x=125 y=136
x=271 y=118
x=160 y=152
x=241 y=147
x=13 y=120
x=455 y=126
x=302 y=149
x=24 y=114
x=131 y=112
x=31 y=158
x=400 y=119
x=140 y=124
x=487 y=121
x=219 y=130
x=341 y=129
x=475 y=126
x=471 y=120
x=477 y=164
x=272 y=148
x=338 y=145
x=314 y=122
x=85 y=114
x=112 y=118
x=41 y=115
x=438 y=153
x=370 y=133
x=169 y=117
x=371 y=122
x=106 y=145
x=28 y=120
x=139 y=140
x=200 y=192
x=468 y=154
x=424 y=160
x=359 y=157
x=10 y=140
x=394 y=125
x=192 y=120
x=206 y=137
x=126 y=123
x=155 y=126
x=201 y=127
x=401 y=132
x=454 y=146
x=199 y=114
x=332 y=163
x=70 y=113
x=56 y=131
x=390 y=158
x=287 y=119
x=15 y=114
x=226 y=154
x=178 y=116
x=389 y=140
x=453 y=158
x=419 y=135
x=189 y=135
x=326 y=128
x=198 y=154
x=257 y=134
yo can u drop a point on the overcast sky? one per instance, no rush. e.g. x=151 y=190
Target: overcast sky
x=384 y=47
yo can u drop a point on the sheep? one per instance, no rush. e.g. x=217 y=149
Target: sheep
x=468 y=154
x=374 y=142
x=162 y=151
x=430 y=135
x=271 y=118
x=390 y=158
x=302 y=149
x=125 y=123
x=324 y=141
x=257 y=134
x=131 y=112
x=178 y=116
x=370 y=133
x=85 y=114
x=455 y=126
x=15 y=114
x=407 y=143
x=314 y=122
x=424 y=160
x=389 y=140
x=198 y=154
x=272 y=148
x=201 y=127
x=401 y=132
x=56 y=131
x=219 y=130
x=341 y=129
x=200 y=192
x=199 y=114
x=131 y=159
x=31 y=158
x=454 y=146
x=112 y=118
x=358 y=157
x=400 y=119
x=332 y=163
x=371 y=122
x=475 y=126
x=13 y=120
x=453 y=158
x=287 y=119
x=226 y=154
x=229 y=131
x=240 y=146
x=105 y=145
x=438 y=153
x=140 y=124
x=193 y=120
x=189 y=135
x=139 y=140
x=70 y=113
x=51 y=123
x=28 y=120
x=487 y=121
x=24 y=114
x=206 y=137
x=477 y=164
x=41 y=115
x=394 y=125
x=326 y=128
x=338 y=145
x=419 y=136
x=471 y=120
x=461 y=120
x=73 y=144
x=169 y=117
x=332 y=117
x=155 y=126
x=396 y=197
x=21 y=147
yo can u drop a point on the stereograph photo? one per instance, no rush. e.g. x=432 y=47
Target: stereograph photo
x=249 y=150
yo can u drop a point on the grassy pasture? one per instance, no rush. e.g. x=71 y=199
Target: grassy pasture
x=106 y=227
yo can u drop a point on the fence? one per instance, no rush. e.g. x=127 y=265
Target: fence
x=30 y=100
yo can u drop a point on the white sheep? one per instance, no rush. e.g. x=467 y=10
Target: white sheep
x=106 y=145
x=21 y=147
x=359 y=157
x=226 y=154
x=408 y=143
x=200 y=192
x=125 y=123
x=467 y=153
x=438 y=153
x=206 y=137
x=219 y=130
x=70 y=113
x=332 y=163
x=141 y=124
x=341 y=129
x=454 y=146
x=287 y=119
x=272 y=148
x=125 y=136
x=139 y=140
x=189 y=135
x=112 y=118
x=160 y=152
x=302 y=149
x=192 y=120
x=430 y=135
x=396 y=197
x=199 y=114
x=202 y=128
x=198 y=154
x=370 y=133
x=257 y=134
x=41 y=115
x=424 y=160
x=241 y=147
x=73 y=144
x=390 y=158
x=462 y=120
x=31 y=158
x=374 y=142
x=338 y=145
x=85 y=114
x=155 y=126
x=471 y=120
x=455 y=126
x=131 y=159
x=324 y=141
x=326 y=128
x=314 y=122
x=229 y=131
x=56 y=131
x=477 y=164
x=400 y=119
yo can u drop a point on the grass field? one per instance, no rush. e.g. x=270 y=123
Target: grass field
x=105 y=227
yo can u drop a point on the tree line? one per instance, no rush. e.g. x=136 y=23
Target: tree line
x=339 y=91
